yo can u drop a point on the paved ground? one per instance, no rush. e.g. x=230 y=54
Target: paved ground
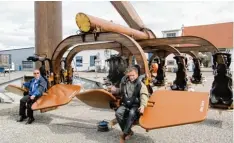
x=13 y=75
x=76 y=123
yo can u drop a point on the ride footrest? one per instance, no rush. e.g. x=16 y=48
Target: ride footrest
x=222 y=106
x=159 y=84
x=196 y=81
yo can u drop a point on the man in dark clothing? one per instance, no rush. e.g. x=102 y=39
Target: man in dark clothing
x=36 y=87
x=135 y=96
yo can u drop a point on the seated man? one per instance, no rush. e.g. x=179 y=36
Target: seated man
x=36 y=87
x=134 y=99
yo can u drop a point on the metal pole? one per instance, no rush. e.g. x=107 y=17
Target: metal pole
x=48 y=27
x=9 y=72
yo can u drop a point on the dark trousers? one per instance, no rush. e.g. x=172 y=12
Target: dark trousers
x=26 y=102
x=126 y=117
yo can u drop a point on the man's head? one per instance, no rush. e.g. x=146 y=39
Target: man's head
x=36 y=73
x=132 y=73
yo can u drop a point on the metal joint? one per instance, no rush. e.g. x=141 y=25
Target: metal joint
x=83 y=37
x=96 y=34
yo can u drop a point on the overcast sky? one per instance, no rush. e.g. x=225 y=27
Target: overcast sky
x=17 y=18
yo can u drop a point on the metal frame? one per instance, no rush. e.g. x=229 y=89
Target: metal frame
x=125 y=40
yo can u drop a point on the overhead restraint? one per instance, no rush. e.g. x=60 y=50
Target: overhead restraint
x=160 y=78
x=221 y=92
x=45 y=74
x=197 y=75
x=118 y=64
x=180 y=83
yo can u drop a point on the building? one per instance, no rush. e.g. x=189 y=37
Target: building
x=170 y=61
x=219 y=34
x=18 y=58
x=83 y=61
x=171 y=33
x=89 y=60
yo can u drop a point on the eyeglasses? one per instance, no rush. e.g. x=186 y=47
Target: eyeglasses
x=36 y=73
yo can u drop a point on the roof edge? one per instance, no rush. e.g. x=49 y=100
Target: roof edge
x=208 y=24
x=17 y=49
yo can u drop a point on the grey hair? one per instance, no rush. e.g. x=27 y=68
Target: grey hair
x=130 y=69
x=37 y=70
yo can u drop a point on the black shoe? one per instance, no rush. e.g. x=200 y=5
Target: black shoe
x=21 y=118
x=30 y=120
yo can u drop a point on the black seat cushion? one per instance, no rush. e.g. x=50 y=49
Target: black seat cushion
x=221 y=88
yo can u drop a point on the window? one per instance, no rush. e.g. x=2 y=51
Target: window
x=27 y=64
x=171 y=34
x=92 y=60
x=79 y=61
x=170 y=62
x=150 y=55
x=5 y=59
x=222 y=50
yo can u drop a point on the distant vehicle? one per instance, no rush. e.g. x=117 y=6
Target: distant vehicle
x=12 y=69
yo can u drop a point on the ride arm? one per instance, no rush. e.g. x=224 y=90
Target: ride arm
x=144 y=95
x=50 y=64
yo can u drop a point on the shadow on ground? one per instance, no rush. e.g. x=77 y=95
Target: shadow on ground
x=90 y=132
x=212 y=123
x=86 y=127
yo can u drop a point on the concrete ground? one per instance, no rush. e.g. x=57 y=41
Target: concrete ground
x=13 y=75
x=77 y=122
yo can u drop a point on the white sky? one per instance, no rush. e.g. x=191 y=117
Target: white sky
x=17 y=18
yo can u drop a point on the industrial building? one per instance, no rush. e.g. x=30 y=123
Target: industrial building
x=219 y=34
x=18 y=58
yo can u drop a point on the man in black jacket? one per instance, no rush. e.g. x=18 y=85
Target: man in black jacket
x=135 y=96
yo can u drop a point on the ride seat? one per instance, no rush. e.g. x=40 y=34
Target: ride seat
x=221 y=91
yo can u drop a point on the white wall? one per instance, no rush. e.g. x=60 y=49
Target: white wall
x=178 y=32
x=86 y=59
x=170 y=67
x=232 y=63
x=170 y=57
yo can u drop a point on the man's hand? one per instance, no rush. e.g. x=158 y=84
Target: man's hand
x=32 y=97
x=141 y=109
x=113 y=89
